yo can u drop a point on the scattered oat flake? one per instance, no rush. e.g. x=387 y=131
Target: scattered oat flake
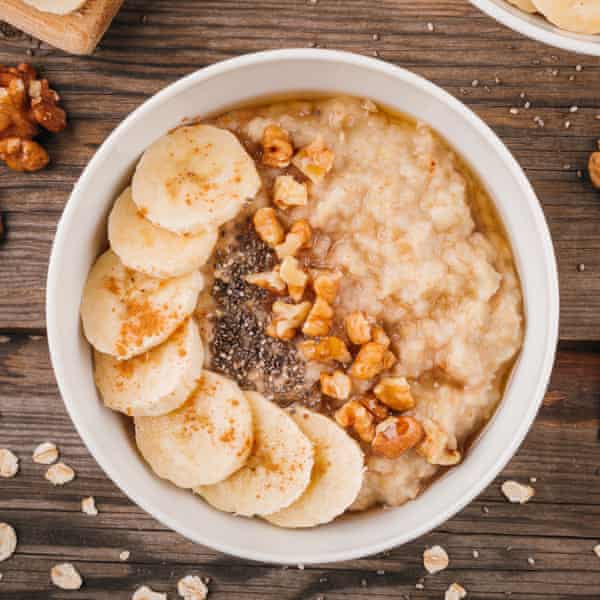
x=435 y=559
x=124 y=555
x=66 y=577
x=192 y=587
x=59 y=474
x=455 y=592
x=301 y=567
x=475 y=553
x=597 y=550
x=146 y=593
x=573 y=109
x=531 y=560
x=419 y=586
x=8 y=541
x=578 y=68
x=9 y=463
x=88 y=506
x=517 y=492
x=430 y=27
x=45 y=454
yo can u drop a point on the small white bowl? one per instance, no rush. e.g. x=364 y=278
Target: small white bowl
x=81 y=236
x=538 y=28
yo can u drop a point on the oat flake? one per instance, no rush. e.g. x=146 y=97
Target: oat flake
x=124 y=555
x=455 y=592
x=45 y=454
x=516 y=492
x=8 y=541
x=192 y=587
x=435 y=559
x=597 y=550
x=66 y=577
x=146 y=593
x=59 y=474
x=88 y=506
x=9 y=463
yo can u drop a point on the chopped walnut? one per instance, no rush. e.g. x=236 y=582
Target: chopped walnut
x=325 y=350
x=326 y=284
x=395 y=393
x=319 y=320
x=381 y=337
x=369 y=361
x=298 y=237
x=288 y=192
x=396 y=435
x=268 y=227
x=594 y=169
x=23 y=155
x=353 y=414
x=389 y=360
x=44 y=106
x=379 y=411
x=314 y=160
x=295 y=278
x=287 y=318
x=439 y=447
x=517 y=492
x=358 y=328
x=277 y=148
x=268 y=280
x=336 y=385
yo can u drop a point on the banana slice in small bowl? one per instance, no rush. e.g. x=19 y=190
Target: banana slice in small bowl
x=578 y=16
x=57 y=7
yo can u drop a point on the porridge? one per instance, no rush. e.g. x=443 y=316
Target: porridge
x=300 y=297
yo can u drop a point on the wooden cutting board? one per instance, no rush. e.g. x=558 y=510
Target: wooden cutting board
x=77 y=33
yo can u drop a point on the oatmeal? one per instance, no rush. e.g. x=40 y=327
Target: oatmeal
x=421 y=252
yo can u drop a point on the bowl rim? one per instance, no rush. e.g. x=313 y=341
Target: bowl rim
x=516 y=19
x=60 y=247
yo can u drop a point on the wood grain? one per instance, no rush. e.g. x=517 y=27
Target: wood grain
x=558 y=528
x=78 y=32
x=154 y=42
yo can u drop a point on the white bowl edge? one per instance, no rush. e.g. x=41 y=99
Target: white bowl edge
x=127 y=477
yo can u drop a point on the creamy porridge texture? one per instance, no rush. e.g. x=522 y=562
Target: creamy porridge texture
x=421 y=251
x=307 y=307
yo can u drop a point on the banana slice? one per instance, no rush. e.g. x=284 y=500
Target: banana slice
x=195 y=178
x=156 y=382
x=526 y=5
x=158 y=252
x=126 y=313
x=202 y=442
x=277 y=472
x=337 y=475
x=58 y=7
x=579 y=16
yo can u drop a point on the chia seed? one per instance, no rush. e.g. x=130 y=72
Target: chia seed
x=240 y=347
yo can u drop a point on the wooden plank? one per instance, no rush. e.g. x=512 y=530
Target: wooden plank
x=149 y=46
x=558 y=528
x=78 y=32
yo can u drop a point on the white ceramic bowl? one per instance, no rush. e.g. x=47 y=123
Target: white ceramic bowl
x=538 y=28
x=81 y=236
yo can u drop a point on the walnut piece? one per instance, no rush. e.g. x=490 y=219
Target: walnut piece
x=326 y=349
x=337 y=385
x=287 y=318
x=9 y=463
x=45 y=454
x=435 y=559
x=268 y=280
x=295 y=278
x=594 y=169
x=326 y=284
x=516 y=492
x=66 y=577
x=44 y=106
x=314 y=160
x=396 y=435
x=354 y=415
x=277 y=148
x=191 y=587
x=298 y=237
x=369 y=361
x=395 y=393
x=22 y=154
x=8 y=541
x=319 y=320
x=268 y=227
x=439 y=447
x=379 y=411
x=381 y=337
x=288 y=192
x=358 y=328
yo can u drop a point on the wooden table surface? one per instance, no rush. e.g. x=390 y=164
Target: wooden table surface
x=543 y=549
